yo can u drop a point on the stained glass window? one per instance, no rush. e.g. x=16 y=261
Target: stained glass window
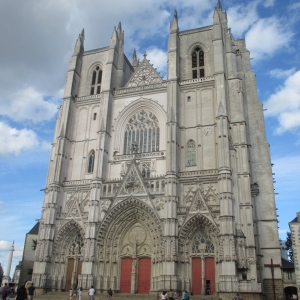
x=198 y=63
x=142 y=129
x=191 y=153
x=202 y=237
x=96 y=84
x=91 y=161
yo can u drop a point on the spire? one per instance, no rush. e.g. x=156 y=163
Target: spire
x=82 y=35
x=134 y=60
x=119 y=28
x=219 y=5
x=174 y=24
x=79 y=43
x=175 y=14
x=114 y=37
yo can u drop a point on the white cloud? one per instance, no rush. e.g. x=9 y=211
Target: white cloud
x=268 y=3
x=285 y=104
x=28 y=104
x=4 y=245
x=294 y=6
x=158 y=58
x=13 y=141
x=279 y=73
x=241 y=18
x=266 y=37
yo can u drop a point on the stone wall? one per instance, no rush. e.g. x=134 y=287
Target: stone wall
x=268 y=289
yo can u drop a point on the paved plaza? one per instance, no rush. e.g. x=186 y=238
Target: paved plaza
x=100 y=296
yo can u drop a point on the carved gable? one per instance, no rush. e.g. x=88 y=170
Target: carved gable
x=145 y=74
x=133 y=183
x=198 y=203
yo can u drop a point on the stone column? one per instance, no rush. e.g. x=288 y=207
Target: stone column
x=202 y=249
x=7 y=278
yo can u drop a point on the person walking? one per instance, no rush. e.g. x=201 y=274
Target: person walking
x=21 y=293
x=186 y=295
x=171 y=295
x=109 y=294
x=92 y=293
x=182 y=295
x=4 y=291
x=79 y=293
x=163 y=296
x=31 y=291
x=236 y=297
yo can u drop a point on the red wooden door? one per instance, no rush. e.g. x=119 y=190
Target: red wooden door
x=196 y=276
x=125 y=282
x=144 y=275
x=70 y=269
x=210 y=273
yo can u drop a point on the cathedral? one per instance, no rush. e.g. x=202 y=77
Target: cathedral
x=156 y=184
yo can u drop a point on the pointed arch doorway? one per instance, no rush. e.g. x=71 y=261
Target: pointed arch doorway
x=128 y=275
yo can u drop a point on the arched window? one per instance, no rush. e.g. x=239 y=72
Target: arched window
x=96 y=81
x=198 y=63
x=191 y=153
x=202 y=239
x=91 y=162
x=142 y=130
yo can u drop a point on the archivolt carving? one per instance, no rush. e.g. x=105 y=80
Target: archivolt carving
x=66 y=233
x=129 y=221
x=190 y=229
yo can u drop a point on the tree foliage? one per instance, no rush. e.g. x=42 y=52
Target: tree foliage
x=289 y=246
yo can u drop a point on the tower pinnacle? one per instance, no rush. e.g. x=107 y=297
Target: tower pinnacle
x=219 y=5
x=174 y=23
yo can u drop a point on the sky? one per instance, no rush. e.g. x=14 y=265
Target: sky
x=37 y=41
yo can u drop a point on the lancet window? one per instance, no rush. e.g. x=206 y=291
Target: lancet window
x=202 y=241
x=191 y=153
x=96 y=81
x=142 y=130
x=91 y=162
x=198 y=63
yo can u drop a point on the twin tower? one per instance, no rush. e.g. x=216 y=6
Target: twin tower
x=158 y=184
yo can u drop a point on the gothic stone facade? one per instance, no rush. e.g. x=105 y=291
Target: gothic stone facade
x=156 y=184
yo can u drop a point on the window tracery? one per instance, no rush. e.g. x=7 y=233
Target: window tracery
x=96 y=81
x=191 y=153
x=202 y=238
x=198 y=63
x=143 y=130
x=91 y=162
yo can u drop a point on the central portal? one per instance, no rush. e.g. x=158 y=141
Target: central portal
x=203 y=276
x=135 y=275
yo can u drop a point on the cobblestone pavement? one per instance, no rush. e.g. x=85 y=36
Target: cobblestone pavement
x=102 y=296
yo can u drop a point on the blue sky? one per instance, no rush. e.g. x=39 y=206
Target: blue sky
x=37 y=41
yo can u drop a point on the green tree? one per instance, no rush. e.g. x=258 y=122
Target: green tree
x=289 y=246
